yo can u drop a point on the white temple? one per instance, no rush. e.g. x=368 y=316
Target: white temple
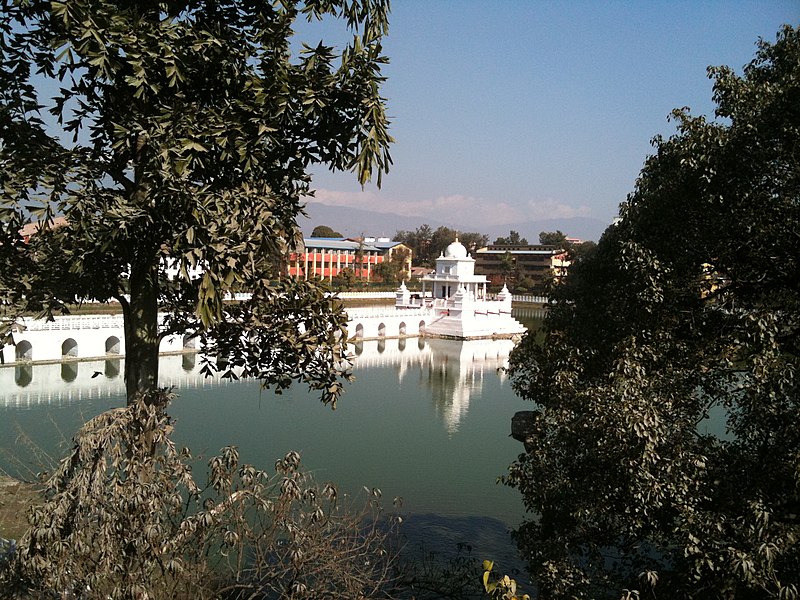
x=459 y=305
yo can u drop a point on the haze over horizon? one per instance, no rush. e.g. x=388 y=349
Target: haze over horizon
x=522 y=112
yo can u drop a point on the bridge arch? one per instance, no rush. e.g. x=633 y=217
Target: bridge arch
x=382 y=330
x=112 y=345
x=359 y=332
x=402 y=329
x=24 y=350
x=190 y=342
x=422 y=327
x=69 y=349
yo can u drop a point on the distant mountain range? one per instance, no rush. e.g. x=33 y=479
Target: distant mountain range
x=352 y=222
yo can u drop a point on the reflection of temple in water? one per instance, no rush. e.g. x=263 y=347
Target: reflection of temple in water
x=456 y=372
x=453 y=370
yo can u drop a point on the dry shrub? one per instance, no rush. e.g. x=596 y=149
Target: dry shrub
x=124 y=518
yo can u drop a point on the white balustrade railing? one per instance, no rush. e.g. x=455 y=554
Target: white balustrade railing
x=61 y=323
x=530 y=299
x=73 y=323
x=364 y=295
x=384 y=311
x=77 y=322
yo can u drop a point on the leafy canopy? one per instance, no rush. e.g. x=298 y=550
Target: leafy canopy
x=324 y=231
x=180 y=134
x=427 y=244
x=553 y=238
x=687 y=311
x=513 y=239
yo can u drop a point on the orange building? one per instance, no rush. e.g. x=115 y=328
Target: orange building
x=326 y=258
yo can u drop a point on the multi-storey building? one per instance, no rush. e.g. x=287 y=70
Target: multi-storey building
x=326 y=258
x=505 y=262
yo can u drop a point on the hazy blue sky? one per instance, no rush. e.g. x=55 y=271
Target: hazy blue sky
x=506 y=111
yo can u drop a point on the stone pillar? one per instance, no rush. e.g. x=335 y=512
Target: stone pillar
x=505 y=298
x=403 y=296
x=460 y=298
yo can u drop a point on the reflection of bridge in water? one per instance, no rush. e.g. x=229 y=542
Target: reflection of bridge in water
x=26 y=384
x=453 y=370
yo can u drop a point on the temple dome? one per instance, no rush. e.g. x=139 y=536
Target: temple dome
x=456 y=250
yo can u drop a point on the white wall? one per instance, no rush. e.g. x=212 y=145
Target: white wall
x=103 y=336
x=90 y=336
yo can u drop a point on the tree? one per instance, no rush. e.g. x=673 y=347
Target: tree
x=426 y=244
x=323 y=231
x=345 y=280
x=193 y=126
x=578 y=252
x=508 y=267
x=553 y=238
x=513 y=239
x=473 y=241
x=394 y=269
x=575 y=250
x=442 y=237
x=361 y=260
x=103 y=533
x=419 y=241
x=688 y=307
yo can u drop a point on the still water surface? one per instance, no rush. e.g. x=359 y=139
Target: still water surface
x=426 y=420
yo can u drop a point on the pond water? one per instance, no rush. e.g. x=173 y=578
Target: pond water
x=427 y=421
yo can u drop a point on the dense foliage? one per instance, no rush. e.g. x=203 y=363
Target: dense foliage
x=427 y=244
x=394 y=270
x=181 y=136
x=512 y=239
x=325 y=231
x=553 y=238
x=687 y=312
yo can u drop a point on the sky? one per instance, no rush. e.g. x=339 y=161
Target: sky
x=506 y=111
